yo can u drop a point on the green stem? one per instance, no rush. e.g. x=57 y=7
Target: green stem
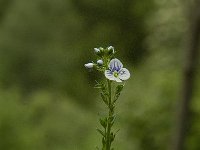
x=108 y=140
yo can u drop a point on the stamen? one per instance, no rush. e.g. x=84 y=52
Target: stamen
x=115 y=73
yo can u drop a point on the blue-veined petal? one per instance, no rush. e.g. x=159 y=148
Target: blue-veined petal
x=115 y=65
x=124 y=74
x=109 y=75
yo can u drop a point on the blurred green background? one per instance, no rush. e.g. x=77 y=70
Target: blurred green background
x=47 y=99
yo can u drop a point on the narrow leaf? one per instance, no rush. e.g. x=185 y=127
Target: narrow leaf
x=101 y=132
x=119 y=88
x=104 y=98
x=103 y=122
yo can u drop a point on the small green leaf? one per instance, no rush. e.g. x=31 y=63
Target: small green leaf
x=103 y=122
x=104 y=98
x=112 y=119
x=116 y=132
x=101 y=132
x=98 y=85
x=112 y=136
x=103 y=141
x=119 y=88
x=112 y=107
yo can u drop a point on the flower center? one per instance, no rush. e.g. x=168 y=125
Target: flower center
x=115 y=73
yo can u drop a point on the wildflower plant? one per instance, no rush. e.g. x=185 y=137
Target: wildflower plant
x=115 y=74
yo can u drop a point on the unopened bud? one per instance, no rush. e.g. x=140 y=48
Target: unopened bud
x=111 y=49
x=89 y=65
x=96 y=50
x=100 y=62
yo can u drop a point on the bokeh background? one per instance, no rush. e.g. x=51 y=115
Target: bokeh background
x=47 y=99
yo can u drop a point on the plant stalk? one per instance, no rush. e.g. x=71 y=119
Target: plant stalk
x=110 y=113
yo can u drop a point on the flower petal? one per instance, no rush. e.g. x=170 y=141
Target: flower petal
x=118 y=80
x=115 y=64
x=109 y=75
x=124 y=74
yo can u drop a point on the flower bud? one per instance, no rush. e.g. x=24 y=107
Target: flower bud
x=89 y=65
x=96 y=50
x=101 y=48
x=111 y=49
x=100 y=62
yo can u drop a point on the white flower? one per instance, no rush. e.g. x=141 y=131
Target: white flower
x=100 y=62
x=116 y=71
x=96 y=50
x=111 y=48
x=89 y=65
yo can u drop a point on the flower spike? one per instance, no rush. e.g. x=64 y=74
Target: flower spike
x=113 y=70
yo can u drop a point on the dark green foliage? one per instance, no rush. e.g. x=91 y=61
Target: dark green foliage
x=41 y=41
x=120 y=23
